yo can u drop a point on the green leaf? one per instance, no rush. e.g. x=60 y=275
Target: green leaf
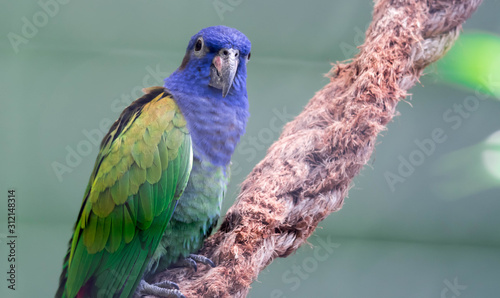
x=473 y=62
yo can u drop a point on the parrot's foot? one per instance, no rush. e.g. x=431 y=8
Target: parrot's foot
x=193 y=259
x=166 y=289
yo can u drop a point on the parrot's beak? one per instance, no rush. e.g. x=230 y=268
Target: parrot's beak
x=223 y=69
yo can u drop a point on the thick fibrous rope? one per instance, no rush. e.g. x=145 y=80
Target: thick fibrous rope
x=306 y=174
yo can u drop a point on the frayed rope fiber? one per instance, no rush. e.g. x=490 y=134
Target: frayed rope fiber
x=306 y=174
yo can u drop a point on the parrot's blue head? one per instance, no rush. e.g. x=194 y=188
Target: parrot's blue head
x=214 y=65
x=210 y=88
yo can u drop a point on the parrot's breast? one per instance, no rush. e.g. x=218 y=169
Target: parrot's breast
x=196 y=213
x=215 y=126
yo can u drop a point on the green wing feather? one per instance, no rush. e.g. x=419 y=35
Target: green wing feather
x=140 y=173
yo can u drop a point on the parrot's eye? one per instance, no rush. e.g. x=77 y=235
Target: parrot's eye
x=199 y=45
x=249 y=55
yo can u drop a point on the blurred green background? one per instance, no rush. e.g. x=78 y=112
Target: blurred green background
x=420 y=221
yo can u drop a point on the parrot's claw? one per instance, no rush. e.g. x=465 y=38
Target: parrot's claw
x=167 y=284
x=202 y=259
x=191 y=261
x=165 y=289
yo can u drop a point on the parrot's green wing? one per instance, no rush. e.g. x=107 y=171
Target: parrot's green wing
x=141 y=171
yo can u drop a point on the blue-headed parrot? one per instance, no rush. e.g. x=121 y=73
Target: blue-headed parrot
x=156 y=189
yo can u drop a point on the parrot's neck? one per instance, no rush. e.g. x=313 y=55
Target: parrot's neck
x=215 y=125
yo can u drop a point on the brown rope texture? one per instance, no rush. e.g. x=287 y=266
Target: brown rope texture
x=306 y=174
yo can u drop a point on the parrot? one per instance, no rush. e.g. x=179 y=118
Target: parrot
x=156 y=190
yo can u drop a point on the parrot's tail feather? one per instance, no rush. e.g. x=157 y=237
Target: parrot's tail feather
x=84 y=291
